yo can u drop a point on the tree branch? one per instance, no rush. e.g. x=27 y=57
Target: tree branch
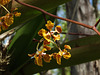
x=43 y=11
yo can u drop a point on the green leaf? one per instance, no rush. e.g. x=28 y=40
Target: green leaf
x=29 y=13
x=84 y=50
x=22 y=43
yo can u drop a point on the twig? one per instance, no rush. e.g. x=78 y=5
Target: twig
x=45 y=18
x=35 y=40
x=97 y=23
x=43 y=11
x=72 y=17
x=76 y=34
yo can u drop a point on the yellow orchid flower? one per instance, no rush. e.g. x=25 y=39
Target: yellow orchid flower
x=17 y=14
x=47 y=39
x=40 y=33
x=46 y=36
x=49 y=25
x=8 y=19
x=4 y=2
x=58 y=59
x=67 y=55
x=38 y=60
x=47 y=58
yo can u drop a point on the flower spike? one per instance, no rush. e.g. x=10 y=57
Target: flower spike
x=50 y=37
x=8 y=19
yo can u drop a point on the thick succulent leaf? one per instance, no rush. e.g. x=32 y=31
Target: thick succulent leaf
x=84 y=50
x=22 y=43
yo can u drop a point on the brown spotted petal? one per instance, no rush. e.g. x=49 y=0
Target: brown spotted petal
x=49 y=25
x=58 y=29
x=47 y=58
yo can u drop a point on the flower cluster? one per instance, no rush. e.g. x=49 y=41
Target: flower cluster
x=4 y=2
x=8 y=19
x=50 y=37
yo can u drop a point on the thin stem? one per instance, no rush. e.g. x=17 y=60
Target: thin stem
x=55 y=45
x=35 y=40
x=97 y=23
x=72 y=17
x=4 y=8
x=37 y=48
x=76 y=34
x=45 y=18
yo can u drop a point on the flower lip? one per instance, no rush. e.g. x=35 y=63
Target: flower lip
x=40 y=33
x=47 y=58
x=45 y=42
x=58 y=29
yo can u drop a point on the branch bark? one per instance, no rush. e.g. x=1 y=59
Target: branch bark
x=43 y=11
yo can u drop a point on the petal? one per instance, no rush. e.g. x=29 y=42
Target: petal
x=17 y=14
x=31 y=55
x=54 y=55
x=49 y=25
x=45 y=42
x=47 y=36
x=67 y=55
x=64 y=50
x=44 y=49
x=8 y=19
x=58 y=29
x=56 y=37
x=47 y=58
x=60 y=53
x=38 y=60
x=40 y=33
x=67 y=47
x=47 y=47
x=58 y=59
x=4 y=27
x=0 y=29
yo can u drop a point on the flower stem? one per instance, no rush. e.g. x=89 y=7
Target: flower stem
x=55 y=45
x=4 y=8
x=37 y=48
